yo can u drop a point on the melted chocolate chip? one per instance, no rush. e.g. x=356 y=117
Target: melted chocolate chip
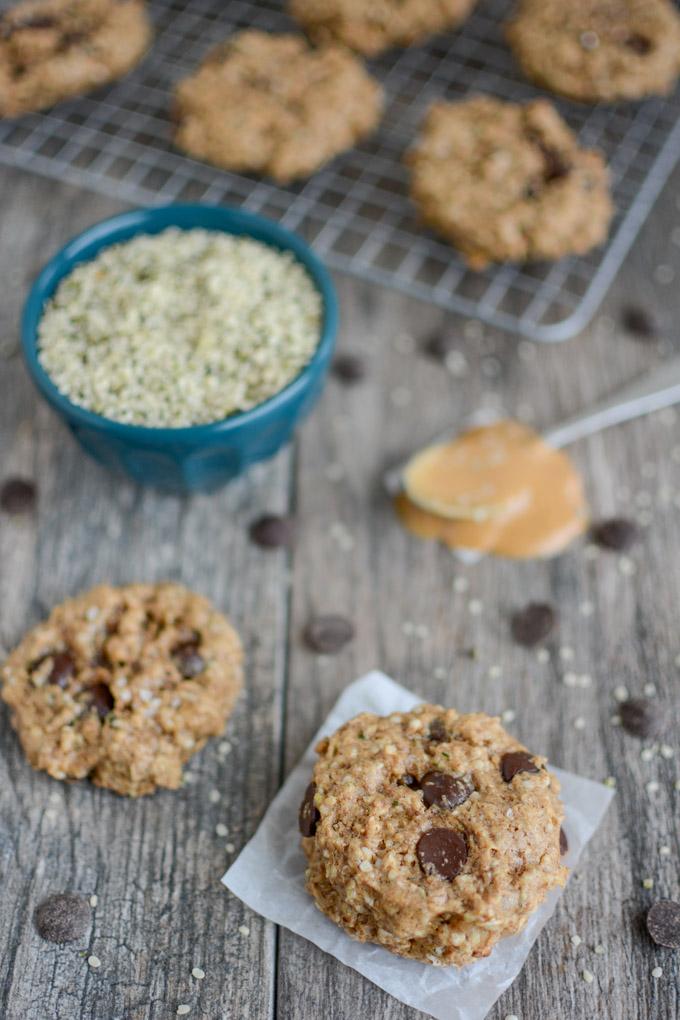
x=564 y=842
x=348 y=369
x=663 y=923
x=639 y=322
x=615 y=533
x=63 y=917
x=309 y=816
x=643 y=717
x=555 y=165
x=271 y=531
x=100 y=698
x=8 y=28
x=444 y=791
x=63 y=668
x=442 y=852
x=438 y=732
x=532 y=624
x=639 y=44
x=517 y=761
x=17 y=496
x=328 y=634
x=409 y=780
x=188 y=659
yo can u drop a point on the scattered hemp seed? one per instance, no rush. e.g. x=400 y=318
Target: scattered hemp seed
x=621 y=693
x=657 y=972
x=576 y=941
x=221 y=829
x=588 y=977
x=230 y=848
x=475 y=607
x=93 y=900
x=214 y=796
x=198 y=973
x=183 y=1009
x=94 y=962
x=181 y=328
x=647 y=883
x=664 y=851
x=599 y=949
x=610 y=782
x=244 y=930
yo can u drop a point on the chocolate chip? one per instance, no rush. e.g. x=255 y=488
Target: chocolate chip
x=639 y=44
x=348 y=369
x=409 y=780
x=517 y=761
x=271 y=531
x=444 y=791
x=643 y=717
x=188 y=659
x=100 y=698
x=614 y=533
x=555 y=166
x=439 y=345
x=17 y=496
x=63 y=917
x=640 y=322
x=8 y=28
x=63 y=668
x=663 y=923
x=438 y=731
x=442 y=852
x=564 y=842
x=328 y=634
x=309 y=816
x=532 y=624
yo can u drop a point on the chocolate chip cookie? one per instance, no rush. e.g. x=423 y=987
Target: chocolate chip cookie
x=373 y=27
x=53 y=49
x=508 y=182
x=272 y=105
x=123 y=685
x=431 y=833
x=594 y=50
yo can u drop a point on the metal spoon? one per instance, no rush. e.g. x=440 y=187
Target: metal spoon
x=649 y=392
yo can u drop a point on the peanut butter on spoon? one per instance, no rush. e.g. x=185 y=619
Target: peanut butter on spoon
x=499 y=489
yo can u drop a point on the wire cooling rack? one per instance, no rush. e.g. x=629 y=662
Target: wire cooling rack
x=356 y=212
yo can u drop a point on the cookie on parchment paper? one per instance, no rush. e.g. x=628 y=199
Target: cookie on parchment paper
x=431 y=833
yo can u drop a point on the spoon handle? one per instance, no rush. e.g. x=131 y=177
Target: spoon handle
x=649 y=392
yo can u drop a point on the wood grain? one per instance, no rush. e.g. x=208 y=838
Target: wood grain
x=155 y=864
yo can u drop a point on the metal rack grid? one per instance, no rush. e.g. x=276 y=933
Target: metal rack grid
x=356 y=212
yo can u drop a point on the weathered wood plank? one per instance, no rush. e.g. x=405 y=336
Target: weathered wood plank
x=388 y=580
x=154 y=864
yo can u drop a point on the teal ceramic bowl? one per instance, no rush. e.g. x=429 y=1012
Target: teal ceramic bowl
x=201 y=457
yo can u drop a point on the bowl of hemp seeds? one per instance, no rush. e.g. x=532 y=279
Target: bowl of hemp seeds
x=181 y=344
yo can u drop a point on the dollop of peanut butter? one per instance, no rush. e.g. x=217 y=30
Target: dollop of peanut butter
x=499 y=489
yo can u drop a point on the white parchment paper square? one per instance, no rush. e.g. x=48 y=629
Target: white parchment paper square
x=268 y=876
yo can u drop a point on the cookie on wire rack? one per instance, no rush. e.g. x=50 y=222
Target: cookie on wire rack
x=371 y=28
x=508 y=182
x=54 y=49
x=273 y=105
x=598 y=50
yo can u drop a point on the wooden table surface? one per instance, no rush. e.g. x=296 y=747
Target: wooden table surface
x=155 y=864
